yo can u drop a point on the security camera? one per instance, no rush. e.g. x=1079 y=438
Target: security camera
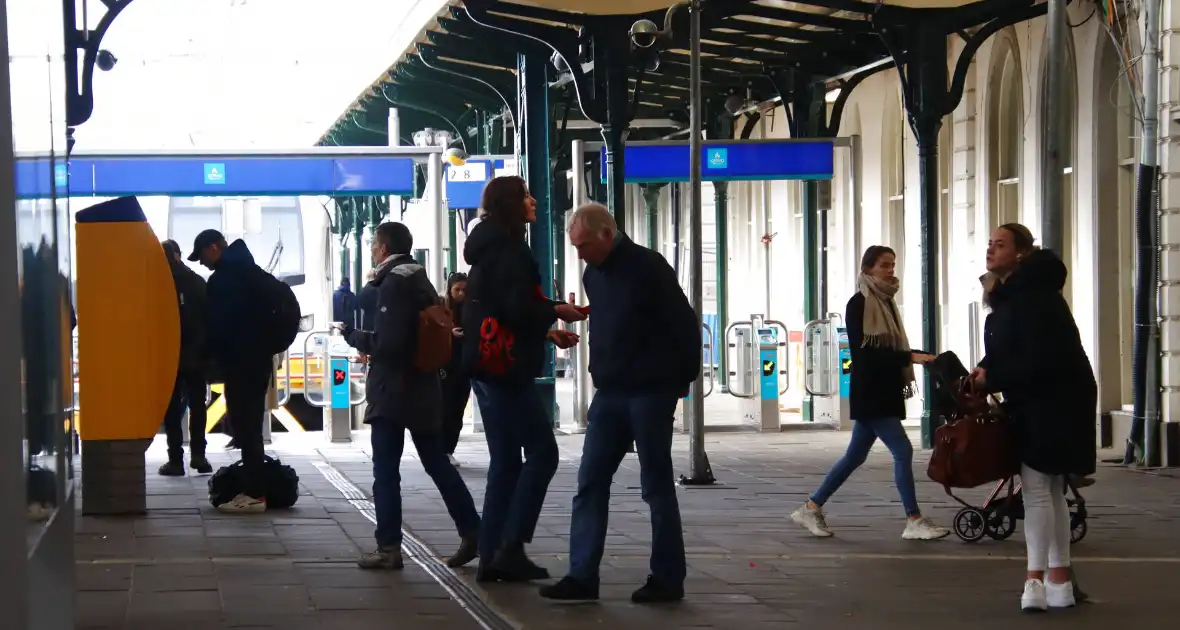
x=559 y=62
x=106 y=60
x=644 y=33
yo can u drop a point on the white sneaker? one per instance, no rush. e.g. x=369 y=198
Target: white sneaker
x=923 y=529
x=813 y=520
x=1034 y=599
x=1060 y=595
x=244 y=503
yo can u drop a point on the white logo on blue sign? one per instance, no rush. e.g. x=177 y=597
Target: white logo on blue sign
x=718 y=158
x=61 y=175
x=214 y=173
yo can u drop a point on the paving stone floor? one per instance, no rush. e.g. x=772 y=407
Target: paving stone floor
x=187 y=566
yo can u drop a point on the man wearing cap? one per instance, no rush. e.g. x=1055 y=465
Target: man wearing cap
x=245 y=366
x=190 y=375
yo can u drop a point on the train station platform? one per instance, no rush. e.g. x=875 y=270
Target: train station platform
x=184 y=565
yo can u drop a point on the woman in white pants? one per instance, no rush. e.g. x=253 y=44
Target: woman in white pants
x=1036 y=360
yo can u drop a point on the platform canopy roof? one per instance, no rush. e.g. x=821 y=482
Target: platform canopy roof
x=743 y=41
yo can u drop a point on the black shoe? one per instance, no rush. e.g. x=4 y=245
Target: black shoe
x=512 y=565
x=200 y=464
x=174 y=468
x=570 y=589
x=655 y=592
x=232 y=445
x=468 y=550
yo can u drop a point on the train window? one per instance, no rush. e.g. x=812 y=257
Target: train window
x=281 y=223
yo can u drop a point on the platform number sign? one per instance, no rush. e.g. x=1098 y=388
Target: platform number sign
x=470 y=172
x=214 y=173
x=718 y=158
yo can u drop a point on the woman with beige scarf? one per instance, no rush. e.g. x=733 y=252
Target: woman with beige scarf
x=882 y=379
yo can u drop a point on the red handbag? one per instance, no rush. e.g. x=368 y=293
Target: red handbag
x=976 y=447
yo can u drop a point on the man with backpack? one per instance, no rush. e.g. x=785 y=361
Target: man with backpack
x=252 y=316
x=190 y=375
x=408 y=344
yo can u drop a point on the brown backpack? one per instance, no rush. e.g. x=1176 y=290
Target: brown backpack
x=435 y=326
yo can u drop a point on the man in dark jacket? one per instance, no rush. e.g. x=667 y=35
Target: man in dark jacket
x=233 y=319
x=645 y=351
x=401 y=398
x=344 y=305
x=190 y=375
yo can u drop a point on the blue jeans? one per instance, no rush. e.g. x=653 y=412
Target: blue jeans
x=864 y=435
x=389 y=440
x=514 y=420
x=614 y=422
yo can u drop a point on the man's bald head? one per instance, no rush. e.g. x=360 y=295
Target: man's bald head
x=592 y=232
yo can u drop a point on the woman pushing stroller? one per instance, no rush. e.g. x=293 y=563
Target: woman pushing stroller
x=1035 y=359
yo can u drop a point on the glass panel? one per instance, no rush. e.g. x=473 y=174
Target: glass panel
x=36 y=75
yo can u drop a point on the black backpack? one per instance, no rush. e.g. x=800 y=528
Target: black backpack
x=280 y=481
x=278 y=314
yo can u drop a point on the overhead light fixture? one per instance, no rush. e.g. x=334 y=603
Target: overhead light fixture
x=832 y=95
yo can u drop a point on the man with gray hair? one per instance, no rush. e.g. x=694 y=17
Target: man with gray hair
x=645 y=351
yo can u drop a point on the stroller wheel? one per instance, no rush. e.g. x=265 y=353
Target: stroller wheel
x=970 y=525
x=1000 y=524
x=1077 y=529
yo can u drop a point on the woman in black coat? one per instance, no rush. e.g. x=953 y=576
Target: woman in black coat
x=507 y=322
x=1034 y=357
x=456 y=384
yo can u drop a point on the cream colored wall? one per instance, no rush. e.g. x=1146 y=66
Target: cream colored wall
x=865 y=116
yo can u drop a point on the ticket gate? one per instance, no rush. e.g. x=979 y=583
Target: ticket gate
x=758 y=372
x=328 y=368
x=827 y=371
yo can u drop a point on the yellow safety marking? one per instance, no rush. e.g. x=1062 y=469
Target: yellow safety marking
x=287 y=419
x=216 y=410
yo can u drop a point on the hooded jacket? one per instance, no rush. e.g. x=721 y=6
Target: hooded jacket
x=1034 y=357
x=233 y=316
x=505 y=285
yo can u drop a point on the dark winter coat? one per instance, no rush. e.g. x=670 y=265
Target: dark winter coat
x=190 y=296
x=394 y=390
x=877 y=386
x=344 y=305
x=644 y=336
x=505 y=285
x=366 y=306
x=1036 y=360
x=233 y=313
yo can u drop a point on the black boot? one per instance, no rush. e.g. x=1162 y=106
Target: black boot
x=174 y=468
x=200 y=464
x=570 y=589
x=512 y=565
x=658 y=592
x=468 y=550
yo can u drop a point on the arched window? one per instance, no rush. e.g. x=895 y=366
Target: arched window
x=1005 y=137
x=893 y=179
x=1069 y=109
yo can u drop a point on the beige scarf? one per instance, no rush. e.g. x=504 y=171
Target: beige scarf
x=882 y=326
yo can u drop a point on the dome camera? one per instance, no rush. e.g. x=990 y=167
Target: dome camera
x=559 y=62
x=644 y=33
x=106 y=60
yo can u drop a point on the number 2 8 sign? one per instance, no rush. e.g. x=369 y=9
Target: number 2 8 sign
x=470 y=172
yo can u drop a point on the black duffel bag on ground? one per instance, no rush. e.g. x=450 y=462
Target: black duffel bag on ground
x=280 y=480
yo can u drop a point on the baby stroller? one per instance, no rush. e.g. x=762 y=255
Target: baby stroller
x=996 y=517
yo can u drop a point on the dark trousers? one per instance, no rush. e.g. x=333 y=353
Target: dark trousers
x=614 y=422
x=456 y=392
x=245 y=399
x=389 y=441
x=514 y=420
x=189 y=392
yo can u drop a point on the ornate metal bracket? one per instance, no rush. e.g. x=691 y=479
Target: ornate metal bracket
x=80 y=93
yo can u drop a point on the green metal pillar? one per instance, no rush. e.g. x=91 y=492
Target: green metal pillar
x=357 y=226
x=452 y=243
x=809 y=119
x=718 y=343
x=651 y=205
x=533 y=84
